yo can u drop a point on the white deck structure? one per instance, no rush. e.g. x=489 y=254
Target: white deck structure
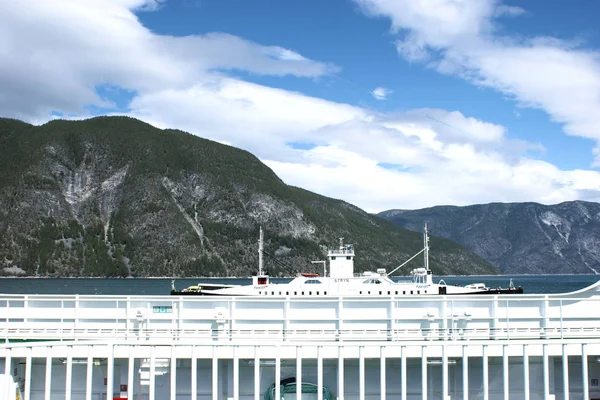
x=380 y=347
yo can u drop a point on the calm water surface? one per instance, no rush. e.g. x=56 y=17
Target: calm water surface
x=530 y=283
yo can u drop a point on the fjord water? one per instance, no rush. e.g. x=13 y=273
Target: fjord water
x=162 y=286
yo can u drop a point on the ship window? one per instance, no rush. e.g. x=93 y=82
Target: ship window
x=418 y=292
x=312 y=282
x=310 y=293
x=325 y=293
x=333 y=258
x=411 y=292
x=273 y=293
x=295 y=293
x=369 y=292
x=426 y=291
x=259 y=292
x=302 y=293
x=404 y=292
x=380 y=292
x=287 y=293
x=317 y=292
x=360 y=292
x=348 y=258
x=280 y=293
x=389 y=292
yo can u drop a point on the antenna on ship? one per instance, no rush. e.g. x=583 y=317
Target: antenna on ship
x=260 y=252
x=426 y=246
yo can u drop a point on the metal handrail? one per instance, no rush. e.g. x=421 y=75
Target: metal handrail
x=438 y=334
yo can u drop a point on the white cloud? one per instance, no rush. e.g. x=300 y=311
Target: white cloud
x=53 y=56
x=546 y=73
x=381 y=93
x=50 y=49
x=431 y=170
x=509 y=11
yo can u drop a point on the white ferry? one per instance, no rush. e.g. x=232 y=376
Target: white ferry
x=342 y=281
x=352 y=347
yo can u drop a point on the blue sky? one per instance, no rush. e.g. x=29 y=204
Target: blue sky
x=421 y=102
x=337 y=31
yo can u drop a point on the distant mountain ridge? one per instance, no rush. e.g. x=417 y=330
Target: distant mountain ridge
x=113 y=196
x=518 y=238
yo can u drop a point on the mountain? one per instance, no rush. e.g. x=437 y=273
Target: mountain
x=113 y=196
x=518 y=238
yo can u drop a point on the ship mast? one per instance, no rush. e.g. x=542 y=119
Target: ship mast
x=260 y=252
x=426 y=246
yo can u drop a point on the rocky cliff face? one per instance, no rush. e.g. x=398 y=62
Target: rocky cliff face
x=523 y=238
x=117 y=197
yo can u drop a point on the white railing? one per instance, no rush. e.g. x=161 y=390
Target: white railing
x=41 y=317
x=303 y=335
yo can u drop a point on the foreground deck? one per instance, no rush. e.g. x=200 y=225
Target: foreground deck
x=420 y=370
x=438 y=347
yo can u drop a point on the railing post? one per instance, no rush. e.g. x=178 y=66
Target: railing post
x=525 y=372
x=424 y=372
x=561 y=318
x=361 y=373
x=48 y=382
x=286 y=323
x=236 y=373
x=28 y=362
x=444 y=317
x=298 y=372
x=444 y=373
x=545 y=366
x=544 y=317
x=340 y=377
x=319 y=373
x=152 y=386
x=110 y=367
x=130 y=369
x=88 y=374
x=403 y=371
x=494 y=320
x=565 y=371
x=256 y=374
x=215 y=376
x=507 y=321
x=69 y=373
x=485 y=372
x=128 y=315
x=505 y=372
x=584 y=372
x=382 y=379
x=7 y=374
x=277 y=374
x=173 y=373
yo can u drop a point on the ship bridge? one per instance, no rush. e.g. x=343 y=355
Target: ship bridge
x=341 y=261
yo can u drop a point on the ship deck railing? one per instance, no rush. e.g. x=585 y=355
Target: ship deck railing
x=304 y=335
x=497 y=317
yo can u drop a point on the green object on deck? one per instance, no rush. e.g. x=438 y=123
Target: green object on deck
x=291 y=388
